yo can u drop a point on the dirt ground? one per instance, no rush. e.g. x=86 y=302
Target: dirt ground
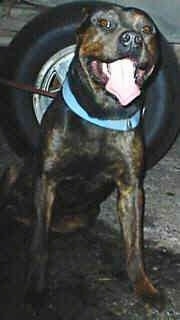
x=86 y=275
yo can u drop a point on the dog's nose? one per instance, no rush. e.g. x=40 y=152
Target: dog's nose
x=130 y=40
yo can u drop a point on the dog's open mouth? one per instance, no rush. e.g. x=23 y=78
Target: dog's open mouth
x=122 y=78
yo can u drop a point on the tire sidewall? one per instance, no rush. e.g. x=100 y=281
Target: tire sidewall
x=53 y=31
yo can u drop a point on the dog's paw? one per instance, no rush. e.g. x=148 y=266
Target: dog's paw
x=35 y=289
x=149 y=294
x=35 y=299
x=157 y=300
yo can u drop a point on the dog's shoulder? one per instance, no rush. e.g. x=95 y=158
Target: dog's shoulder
x=55 y=114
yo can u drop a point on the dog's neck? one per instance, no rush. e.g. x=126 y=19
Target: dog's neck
x=119 y=125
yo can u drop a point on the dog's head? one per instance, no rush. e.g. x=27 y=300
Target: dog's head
x=117 y=51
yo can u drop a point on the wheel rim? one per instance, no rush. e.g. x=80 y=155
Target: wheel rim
x=51 y=77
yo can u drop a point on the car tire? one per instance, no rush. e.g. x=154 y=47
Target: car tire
x=49 y=33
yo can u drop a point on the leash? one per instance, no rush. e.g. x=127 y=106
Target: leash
x=69 y=98
x=27 y=87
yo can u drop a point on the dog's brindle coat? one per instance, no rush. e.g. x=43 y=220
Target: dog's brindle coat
x=80 y=163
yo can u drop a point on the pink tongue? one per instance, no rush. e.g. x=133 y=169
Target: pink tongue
x=121 y=82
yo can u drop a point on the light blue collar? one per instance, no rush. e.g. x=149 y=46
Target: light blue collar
x=121 y=125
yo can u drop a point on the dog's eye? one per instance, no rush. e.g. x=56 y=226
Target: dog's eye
x=105 y=24
x=147 y=29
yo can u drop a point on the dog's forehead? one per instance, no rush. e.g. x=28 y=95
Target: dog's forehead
x=121 y=14
x=109 y=13
x=137 y=16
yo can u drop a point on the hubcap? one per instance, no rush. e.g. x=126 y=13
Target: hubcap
x=51 y=77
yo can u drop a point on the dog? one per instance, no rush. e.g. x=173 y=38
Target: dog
x=91 y=139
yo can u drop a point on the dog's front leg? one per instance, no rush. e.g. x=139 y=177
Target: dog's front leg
x=130 y=212
x=44 y=198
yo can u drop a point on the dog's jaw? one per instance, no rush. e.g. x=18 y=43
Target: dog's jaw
x=122 y=78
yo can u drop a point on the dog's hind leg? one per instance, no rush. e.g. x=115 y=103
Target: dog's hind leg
x=7 y=180
x=77 y=221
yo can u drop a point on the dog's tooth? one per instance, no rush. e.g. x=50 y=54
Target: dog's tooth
x=105 y=68
x=109 y=68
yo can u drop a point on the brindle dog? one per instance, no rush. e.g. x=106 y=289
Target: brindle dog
x=91 y=138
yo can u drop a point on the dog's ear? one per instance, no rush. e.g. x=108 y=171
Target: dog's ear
x=86 y=11
x=85 y=22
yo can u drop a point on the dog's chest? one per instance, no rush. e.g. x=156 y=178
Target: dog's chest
x=84 y=180
x=88 y=166
x=90 y=154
